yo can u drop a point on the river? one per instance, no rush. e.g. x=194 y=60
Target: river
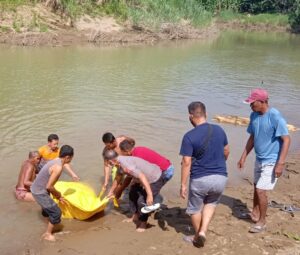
x=143 y=92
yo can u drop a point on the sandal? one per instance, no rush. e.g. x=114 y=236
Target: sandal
x=199 y=241
x=257 y=229
x=150 y=208
x=274 y=204
x=188 y=239
x=290 y=209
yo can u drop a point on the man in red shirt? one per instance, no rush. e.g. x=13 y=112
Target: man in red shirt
x=127 y=148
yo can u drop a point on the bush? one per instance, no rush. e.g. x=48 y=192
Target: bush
x=294 y=17
x=266 y=6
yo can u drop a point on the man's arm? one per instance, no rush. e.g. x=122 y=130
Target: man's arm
x=286 y=141
x=147 y=188
x=226 y=151
x=248 y=148
x=29 y=171
x=115 y=184
x=123 y=186
x=71 y=172
x=107 y=170
x=185 y=171
x=55 y=173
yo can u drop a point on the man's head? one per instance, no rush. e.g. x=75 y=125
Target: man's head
x=110 y=156
x=258 y=100
x=109 y=140
x=66 y=153
x=126 y=147
x=197 y=112
x=53 y=142
x=34 y=157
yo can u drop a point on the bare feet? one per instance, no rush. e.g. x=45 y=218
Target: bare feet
x=249 y=216
x=142 y=227
x=253 y=217
x=128 y=220
x=134 y=218
x=48 y=237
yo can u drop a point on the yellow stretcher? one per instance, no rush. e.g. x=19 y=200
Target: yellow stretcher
x=81 y=200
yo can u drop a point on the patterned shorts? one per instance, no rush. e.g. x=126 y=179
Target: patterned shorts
x=20 y=193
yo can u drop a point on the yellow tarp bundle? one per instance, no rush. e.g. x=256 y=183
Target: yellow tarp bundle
x=82 y=202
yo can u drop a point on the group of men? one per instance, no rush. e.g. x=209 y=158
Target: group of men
x=145 y=170
x=37 y=178
x=36 y=160
x=204 y=151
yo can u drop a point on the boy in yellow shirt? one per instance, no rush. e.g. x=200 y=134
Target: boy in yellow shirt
x=51 y=151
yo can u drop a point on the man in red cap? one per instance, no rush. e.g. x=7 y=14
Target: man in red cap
x=270 y=139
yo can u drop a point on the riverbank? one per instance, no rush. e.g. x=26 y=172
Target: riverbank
x=38 y=25
x=227 y=234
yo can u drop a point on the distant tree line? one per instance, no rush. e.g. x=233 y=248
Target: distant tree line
x=289 y=7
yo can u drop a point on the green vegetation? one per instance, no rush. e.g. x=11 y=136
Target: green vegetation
x=152 y=13
x=4 y=29
x=155 y=12
x=294 y=17
x=37 y=24
x=292 y=236
x=264 y=18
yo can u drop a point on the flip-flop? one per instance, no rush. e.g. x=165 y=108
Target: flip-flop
x=290 y=209
x=257 y=229
x=150 y=208
x=188 y=239
x=274 y=204
x=199 y=241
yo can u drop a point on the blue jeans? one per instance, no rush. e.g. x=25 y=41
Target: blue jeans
x=168 y=174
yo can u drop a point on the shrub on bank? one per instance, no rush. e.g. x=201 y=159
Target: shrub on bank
x=294 y=17
x=266 y=6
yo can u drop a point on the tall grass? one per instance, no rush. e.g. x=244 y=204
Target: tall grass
x=155 y=12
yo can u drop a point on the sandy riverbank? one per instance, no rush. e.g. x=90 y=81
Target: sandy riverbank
x=227 y=233
x=38 y=26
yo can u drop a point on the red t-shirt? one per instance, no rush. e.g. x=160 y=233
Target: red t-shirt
x=152 y=157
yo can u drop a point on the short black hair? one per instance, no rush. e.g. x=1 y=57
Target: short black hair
x=126 y=145
x=66 y=150
x=197 y=109
x=109 y=154
x=52 y=137
x=108 y=138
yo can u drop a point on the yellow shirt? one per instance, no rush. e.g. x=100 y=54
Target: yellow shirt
x=48 y=154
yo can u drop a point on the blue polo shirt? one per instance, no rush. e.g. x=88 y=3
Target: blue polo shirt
x=213 y=160
x=267 y=130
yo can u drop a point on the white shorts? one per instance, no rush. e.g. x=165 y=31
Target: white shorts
x=264 y=175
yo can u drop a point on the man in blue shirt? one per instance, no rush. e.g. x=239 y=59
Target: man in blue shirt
x=204 y=151
x=270 y=139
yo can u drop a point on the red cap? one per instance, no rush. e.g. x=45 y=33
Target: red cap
x=257 y=95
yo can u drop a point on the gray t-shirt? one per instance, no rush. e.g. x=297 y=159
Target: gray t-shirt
x=137 y=165
x=40 y=183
